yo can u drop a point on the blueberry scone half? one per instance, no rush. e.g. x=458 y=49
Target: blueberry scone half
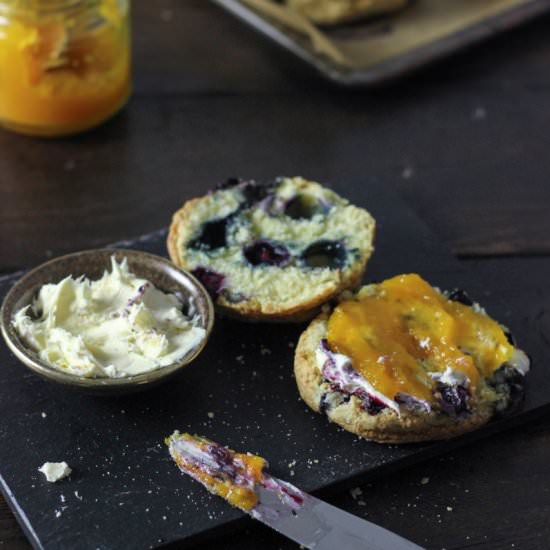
x=331 y=12
x=401 y=362
x=272 y=252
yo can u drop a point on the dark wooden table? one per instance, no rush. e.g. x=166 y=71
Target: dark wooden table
x=465 y=142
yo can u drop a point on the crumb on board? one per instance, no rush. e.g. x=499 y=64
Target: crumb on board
x=479 y=113
x=407 y=172
x=166 y=15
x=54 y=471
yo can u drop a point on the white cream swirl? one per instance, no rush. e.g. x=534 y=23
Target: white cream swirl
x=120 y=325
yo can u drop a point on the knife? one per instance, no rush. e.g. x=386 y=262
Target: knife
x=317 y=524
x=241 y=479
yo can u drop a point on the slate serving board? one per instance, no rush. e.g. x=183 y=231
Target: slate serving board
x=126 y=493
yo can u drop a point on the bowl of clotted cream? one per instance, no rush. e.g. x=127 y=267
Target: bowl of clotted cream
x=107 y=321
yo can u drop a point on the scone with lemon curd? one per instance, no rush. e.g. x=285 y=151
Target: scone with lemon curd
x=331 y=12
x=272 y=252
x=401 y=362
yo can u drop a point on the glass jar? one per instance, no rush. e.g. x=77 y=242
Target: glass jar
x=64 y=64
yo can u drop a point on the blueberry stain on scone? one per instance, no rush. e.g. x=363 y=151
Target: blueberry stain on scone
x=212 y=281
x=414 y=363
x=273 y=251
x=266 y=253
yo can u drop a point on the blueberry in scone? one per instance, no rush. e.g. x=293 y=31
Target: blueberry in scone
x=401 y=361
x=275 y=251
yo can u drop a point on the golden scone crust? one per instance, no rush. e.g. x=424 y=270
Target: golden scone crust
x=331 y=12
x=386 y=426
x=292 y=293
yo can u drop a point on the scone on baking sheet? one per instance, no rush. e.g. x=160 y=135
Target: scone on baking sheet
x=331 y=12
x=272 y=252
x=401 y=362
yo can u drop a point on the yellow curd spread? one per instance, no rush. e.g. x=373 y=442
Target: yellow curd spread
x=224 y=472
x=401 y=331
x=64 y=68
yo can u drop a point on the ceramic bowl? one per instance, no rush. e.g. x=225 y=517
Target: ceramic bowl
x=92 y=263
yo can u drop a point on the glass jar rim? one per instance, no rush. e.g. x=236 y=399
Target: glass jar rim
x=44 y=7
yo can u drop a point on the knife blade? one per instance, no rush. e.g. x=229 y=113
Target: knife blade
x=316 y=524
x=241 y=479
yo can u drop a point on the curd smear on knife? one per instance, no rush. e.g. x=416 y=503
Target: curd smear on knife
x=118 y=326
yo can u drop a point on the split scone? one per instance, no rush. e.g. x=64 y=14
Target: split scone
x=331 y=12
x=272 y=252
x=401 y=362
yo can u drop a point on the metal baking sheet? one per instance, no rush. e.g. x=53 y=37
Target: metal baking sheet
x=376 y=50
x=241 y=392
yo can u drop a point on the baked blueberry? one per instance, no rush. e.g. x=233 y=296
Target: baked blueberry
x=372 y=405
x=461 y=296
x=266 y=253
x=254 y=192
x=213 y=235
x=325 y=253
x=453 y=399
x=212 y=281
x=302 y=207
x=331 y=399
x=509 y=383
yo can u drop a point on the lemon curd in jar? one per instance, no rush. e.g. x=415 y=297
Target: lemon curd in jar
x=64 y=64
